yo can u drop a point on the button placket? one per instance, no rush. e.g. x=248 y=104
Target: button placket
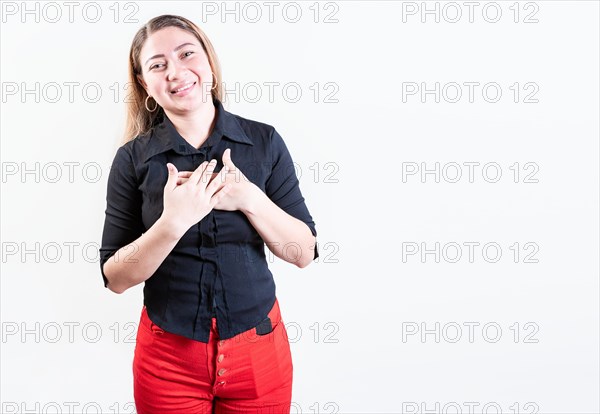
x=221 y=370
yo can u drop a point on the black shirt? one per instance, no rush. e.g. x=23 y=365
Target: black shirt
x=219 y=267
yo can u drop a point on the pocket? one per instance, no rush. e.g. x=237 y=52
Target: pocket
x=265 y=327
x=275 y=319
x=274 y=336
x=271 y=358
x=156 y=330
x=148 y=326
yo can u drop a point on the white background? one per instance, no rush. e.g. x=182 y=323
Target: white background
x=350 y=314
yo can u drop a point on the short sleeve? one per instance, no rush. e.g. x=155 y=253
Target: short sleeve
x=123 y=216
x=283 y=187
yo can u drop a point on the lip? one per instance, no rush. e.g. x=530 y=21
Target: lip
x=185 y=91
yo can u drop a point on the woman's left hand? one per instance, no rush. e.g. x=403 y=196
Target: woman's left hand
x=242 y=189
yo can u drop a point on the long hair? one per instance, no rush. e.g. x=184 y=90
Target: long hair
x=139 y=121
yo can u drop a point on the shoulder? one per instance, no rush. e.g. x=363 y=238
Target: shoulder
x=139 y=148
x=265 y=135
x=141 y=141
x=252 y=124
x=258 y=132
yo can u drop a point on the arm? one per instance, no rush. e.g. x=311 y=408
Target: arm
x=137 y=261
x=280 y=214
x=287 y=237
x=130 y=255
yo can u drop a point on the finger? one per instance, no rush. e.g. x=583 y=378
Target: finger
x=207 y=172
x=227 y=160
x=195 y=177
x=185 y=174
x=219 y=195
x=217 y=181
x=172 y=178
x=213 y=175
x=181 y=180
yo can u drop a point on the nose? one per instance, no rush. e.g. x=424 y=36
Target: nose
x=174 y=70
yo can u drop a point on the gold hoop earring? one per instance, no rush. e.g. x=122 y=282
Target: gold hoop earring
x=146 y=104
x=216 y=81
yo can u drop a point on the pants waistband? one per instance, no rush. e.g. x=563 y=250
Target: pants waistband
x=263 y=327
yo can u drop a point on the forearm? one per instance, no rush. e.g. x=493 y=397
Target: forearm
x=136 y=262
x=287 y=237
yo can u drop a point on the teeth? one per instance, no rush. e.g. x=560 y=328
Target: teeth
x=183 y=88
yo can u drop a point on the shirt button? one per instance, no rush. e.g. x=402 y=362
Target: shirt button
x=221 y=371
x=220 y=358
x=221 y=342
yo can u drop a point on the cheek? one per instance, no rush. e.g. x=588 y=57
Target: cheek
x=155 y=85
x=203 y=70
x=156 y=89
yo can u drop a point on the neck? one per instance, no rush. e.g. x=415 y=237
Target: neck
x=195 y=127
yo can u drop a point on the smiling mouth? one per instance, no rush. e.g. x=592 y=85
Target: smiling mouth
x=183 y=88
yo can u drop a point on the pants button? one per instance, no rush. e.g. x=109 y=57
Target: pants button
x=221 y=371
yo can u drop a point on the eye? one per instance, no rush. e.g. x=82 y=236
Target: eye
x=186 y=53
x=153 y=66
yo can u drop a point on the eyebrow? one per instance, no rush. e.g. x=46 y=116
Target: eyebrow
x=174 y=50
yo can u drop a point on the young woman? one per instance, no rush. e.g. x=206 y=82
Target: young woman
x=193 y=195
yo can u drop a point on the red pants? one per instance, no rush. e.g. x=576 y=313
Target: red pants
x=248 y=373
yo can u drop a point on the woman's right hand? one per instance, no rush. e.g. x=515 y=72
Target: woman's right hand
x=187 y=203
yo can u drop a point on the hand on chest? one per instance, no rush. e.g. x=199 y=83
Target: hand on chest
x=239 y=170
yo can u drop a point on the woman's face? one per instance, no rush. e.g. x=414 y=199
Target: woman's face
x=175 y=71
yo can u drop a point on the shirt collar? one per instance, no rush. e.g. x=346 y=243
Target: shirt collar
x=166 y=137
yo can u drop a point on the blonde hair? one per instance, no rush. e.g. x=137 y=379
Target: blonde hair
x=139 y=120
